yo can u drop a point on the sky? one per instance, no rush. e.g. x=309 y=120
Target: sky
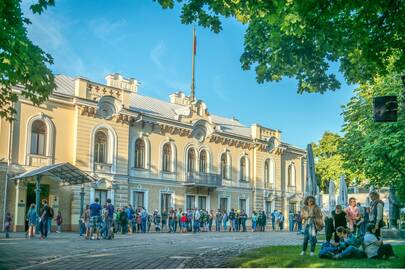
x=141 y=40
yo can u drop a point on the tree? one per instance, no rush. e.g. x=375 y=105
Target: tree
x=301 y=38
x=21 y=62
x=329 y=161
x=375 y=149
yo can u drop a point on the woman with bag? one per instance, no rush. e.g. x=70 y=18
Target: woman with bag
x=32 y=218
x=312 y=219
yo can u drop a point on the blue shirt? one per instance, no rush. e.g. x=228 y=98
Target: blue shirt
x=95 y=210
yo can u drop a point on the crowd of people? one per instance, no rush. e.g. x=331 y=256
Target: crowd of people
x=105 y=221
x=353 y=232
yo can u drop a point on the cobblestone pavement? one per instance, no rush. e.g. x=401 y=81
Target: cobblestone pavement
x=153 y=250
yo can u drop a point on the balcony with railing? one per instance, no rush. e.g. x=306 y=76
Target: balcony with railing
x=203 y=179
x=102 y=167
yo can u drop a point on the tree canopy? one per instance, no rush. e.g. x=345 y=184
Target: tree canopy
x=375 y=149
x=300 y=39
x=21 y=62
x=329 y=161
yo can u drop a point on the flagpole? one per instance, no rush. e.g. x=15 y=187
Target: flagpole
x=192 y=95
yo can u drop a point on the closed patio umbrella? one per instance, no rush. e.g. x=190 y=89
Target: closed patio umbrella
x=342 y=196
x=311 y=185
x=332 y=195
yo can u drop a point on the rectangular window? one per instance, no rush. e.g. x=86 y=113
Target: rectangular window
x=223 y=204
x=190 y=202
x=202 y=202
x=242 y=204
x=101 y=194
x=269 y=209
x=165 y=201
x=293 y=207
x=139 y=199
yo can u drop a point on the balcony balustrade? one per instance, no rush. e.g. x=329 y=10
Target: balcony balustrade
x=203 y=179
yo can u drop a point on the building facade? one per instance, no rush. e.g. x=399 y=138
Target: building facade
x=145 y=152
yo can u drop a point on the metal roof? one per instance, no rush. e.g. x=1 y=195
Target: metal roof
x=65 y=173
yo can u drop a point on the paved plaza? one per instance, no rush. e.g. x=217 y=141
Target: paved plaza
x=153 y=250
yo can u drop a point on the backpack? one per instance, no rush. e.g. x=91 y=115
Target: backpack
x=51 y=213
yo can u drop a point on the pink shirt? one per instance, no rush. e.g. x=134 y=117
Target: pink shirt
x=352 y=214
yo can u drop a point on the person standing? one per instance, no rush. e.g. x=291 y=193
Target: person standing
x=32 y=217
x=353 y=215
x=95 y=218
x=210 y=219
x=144 y=219
x=376 y=212
x=232 y=219
x=110 y=219
x=43 y=224
x=243 y=218
x=196 y=220
x=164 y=219
x=312 y=217
x=218 y=220
x=50 y=217
x=299 y=222
x=264 y=221
x=291 y=220
x=281 y=221
x=225 y=221
x=273 y=220
x=254 y=221
x=59 y=221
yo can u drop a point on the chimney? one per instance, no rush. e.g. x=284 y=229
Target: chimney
x=118 y=81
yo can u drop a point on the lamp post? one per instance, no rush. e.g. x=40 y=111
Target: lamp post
x=37 y=199
x=81 y=209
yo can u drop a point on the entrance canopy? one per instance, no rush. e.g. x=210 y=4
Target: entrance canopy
x=64 y=173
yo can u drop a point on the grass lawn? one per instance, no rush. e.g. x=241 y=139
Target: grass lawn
x=288 y=256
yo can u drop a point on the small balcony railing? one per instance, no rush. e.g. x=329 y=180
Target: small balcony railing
x=291 y=189
x=102 y=167
x=203 y=179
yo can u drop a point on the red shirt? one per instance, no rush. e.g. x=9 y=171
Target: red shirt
x=183 y=219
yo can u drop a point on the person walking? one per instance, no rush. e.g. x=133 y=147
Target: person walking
x=86 y=221
x=7 y=225
x=32 y=217
x=59 y=221
x=312 y=217
x=376 y=212
x=43 y=224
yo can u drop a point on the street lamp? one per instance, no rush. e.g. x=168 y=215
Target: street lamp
x=81 y=209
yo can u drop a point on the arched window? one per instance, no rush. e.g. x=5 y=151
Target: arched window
x=38 y=138
x=266 y=172
x=272 y=172
x=191 y=160
x=140 y=153
x=203 y=161
x=167 y=158
x=291 y=175
x=243 y=175
x=101 y=146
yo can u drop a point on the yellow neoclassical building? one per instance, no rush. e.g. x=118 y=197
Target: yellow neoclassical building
x=143 y=151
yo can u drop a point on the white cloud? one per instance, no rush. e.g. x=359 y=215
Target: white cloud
x=108 y=31
x=156 y=54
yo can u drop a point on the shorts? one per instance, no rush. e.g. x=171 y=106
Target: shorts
x=95 y=222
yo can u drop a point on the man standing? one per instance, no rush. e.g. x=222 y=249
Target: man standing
x=196 y=220
x=376 y=212
x=43 y=224
x=273 y=220
x=110 y=218
x=95 y=218
x=218 y=220
x=291 y=220
x=164 y=219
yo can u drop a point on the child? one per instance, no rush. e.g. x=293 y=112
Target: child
x=59 y=221
x=7 y=225
x=183 y=223
x=32 y=218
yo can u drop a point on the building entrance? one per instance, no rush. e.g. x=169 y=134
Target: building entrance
x=31 y=197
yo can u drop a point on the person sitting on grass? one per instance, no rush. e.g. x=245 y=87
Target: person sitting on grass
x=375 y=248
x=348 y=245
